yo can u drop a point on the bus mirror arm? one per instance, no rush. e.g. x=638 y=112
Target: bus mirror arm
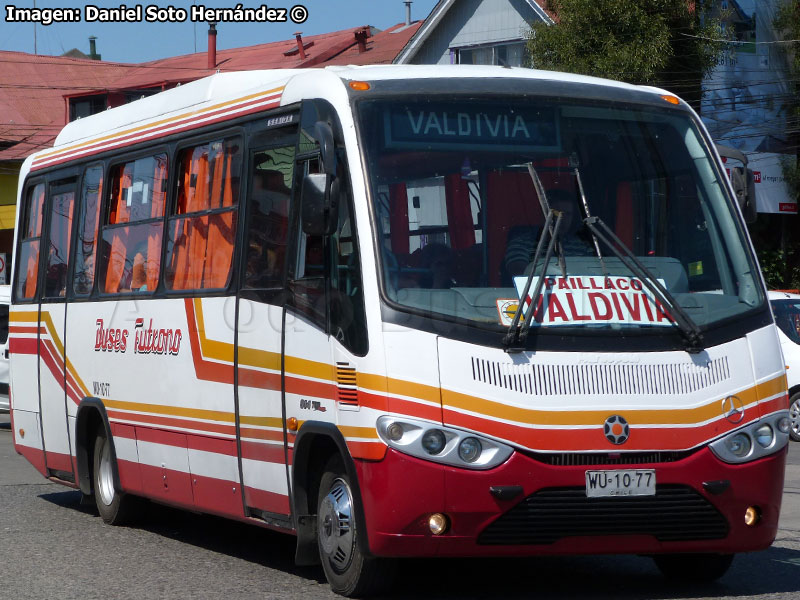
x=327 y=148
x=315 y=196
x=743 y=183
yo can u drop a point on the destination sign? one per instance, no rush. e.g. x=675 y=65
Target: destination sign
x=477 y=125
x=594 y=300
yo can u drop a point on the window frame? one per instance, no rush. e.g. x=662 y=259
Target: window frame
x=22 y=220
x=103 y=225
x=171 y=206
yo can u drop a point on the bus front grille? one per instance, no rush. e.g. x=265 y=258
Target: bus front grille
x=675 y=513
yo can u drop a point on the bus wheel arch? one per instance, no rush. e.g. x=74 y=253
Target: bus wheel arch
x=98 y=471
x=316 y=444
x=91 y=418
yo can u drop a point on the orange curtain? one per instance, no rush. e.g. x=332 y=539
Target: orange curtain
x=116 y=262
x=203 y=245
x=32 y=268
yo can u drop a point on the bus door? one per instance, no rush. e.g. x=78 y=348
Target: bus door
x=259 y=326
x=53 y=379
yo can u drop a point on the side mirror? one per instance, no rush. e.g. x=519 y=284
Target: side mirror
x=315 y=203
x=750 y=211
x=743 y=183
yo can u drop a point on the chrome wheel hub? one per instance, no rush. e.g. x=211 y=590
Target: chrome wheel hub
x=794 y=415
x=105 y=476
x=335 y=526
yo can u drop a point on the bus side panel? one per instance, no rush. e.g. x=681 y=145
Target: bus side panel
x=53 y=388
x=260 y=407
x=151 y=364
x=23 y=333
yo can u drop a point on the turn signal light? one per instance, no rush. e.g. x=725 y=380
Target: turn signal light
x=671 y=99
x=291 y=424
x=359 y=86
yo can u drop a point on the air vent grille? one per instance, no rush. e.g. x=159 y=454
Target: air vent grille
x=595 y=379
x=346 y=383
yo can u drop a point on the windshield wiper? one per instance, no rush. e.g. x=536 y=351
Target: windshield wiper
x=515 y=339
x=675 y=313
x=545 y=204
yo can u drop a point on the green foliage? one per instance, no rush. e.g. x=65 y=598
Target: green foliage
x=669 y=43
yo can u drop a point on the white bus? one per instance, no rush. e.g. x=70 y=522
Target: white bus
x=292 y=298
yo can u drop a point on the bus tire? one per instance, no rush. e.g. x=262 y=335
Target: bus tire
x=349 y=571
x=693 y=568
x=114 y=508
x=794 y=416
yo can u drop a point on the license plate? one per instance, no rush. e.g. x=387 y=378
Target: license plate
x=621 y=482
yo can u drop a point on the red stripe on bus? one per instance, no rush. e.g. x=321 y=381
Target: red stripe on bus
x=170 y=129
x=261 y=434
x=175 y=423
x=214 y=445
x=271 y=453
x=22 y=346
x=584 y=440
x=28 y=329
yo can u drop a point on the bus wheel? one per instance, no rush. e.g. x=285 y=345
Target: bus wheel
x=348 y=570
x=693 y=568
x=794 y=415
x=114 y=508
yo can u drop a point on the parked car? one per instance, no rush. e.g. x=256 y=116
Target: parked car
x=786 y=308
x=5 y=300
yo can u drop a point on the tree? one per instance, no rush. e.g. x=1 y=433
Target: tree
x=668 y=43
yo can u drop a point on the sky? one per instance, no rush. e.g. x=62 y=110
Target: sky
x=140 y=41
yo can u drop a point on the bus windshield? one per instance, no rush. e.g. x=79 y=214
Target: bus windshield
x=454 y=186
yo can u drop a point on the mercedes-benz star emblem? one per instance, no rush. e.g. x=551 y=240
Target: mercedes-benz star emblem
x=616 y=429
x=733 y=409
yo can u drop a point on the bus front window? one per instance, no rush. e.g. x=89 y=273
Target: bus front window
x=459 y=217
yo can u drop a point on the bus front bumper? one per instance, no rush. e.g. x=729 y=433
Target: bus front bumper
x=400 y=493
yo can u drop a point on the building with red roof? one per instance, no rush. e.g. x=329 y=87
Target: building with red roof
x=40 y=94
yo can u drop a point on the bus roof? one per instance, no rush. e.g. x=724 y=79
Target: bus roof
x=227 y=95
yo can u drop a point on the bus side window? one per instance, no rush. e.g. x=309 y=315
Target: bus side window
x=308 y=277
x=269 y=197
x=131 y=248
x=88 y=223
x=62 y=207
x=347 y=313
x=30 y=236
x=202 y=234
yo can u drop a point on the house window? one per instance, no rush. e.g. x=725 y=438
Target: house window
x=86 y=105
x=506 y=55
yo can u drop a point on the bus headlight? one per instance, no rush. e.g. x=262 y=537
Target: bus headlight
x=765 y=436
x=433 y=442
x=469 y=450
x=739 y=445
x=753 y=441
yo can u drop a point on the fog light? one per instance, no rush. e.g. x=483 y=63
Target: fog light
x=784 y=424
x=394 y=432
x=739 y=445
x=433 y=441
x=764 y=436
x=438 y=523
x=752 y=515
x=469 y=450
